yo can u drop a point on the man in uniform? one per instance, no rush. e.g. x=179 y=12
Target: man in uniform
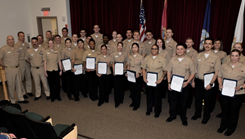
x=83 y=34
x=40 y=41
x=35 y=57
x=129 y=35
x=113 y=41
x=97 y=36
x=48 y=37
x=74 y=41
x=58 y=45
x=9 y=59
x=25 y=67
x=64 y=35
x=149 y=42
x=170 y=43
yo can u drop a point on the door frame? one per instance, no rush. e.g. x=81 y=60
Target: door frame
x=40 y=26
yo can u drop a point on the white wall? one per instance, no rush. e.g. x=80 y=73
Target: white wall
x=46 y=23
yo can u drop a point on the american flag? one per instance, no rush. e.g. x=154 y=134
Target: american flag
x=142 y=23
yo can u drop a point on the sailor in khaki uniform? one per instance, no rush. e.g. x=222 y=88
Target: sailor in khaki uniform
x=91 y=74
x=237 y=46
x=205 y=62
x=113 y=47
x=25 y=67
x=40 y=41
x=218 y=47
x=34 y=56
x=83 y=35
x=181 y=65
x=113 y=41
x=9 y=59
x=80 y=83
x=119 y=80
x=135 y=60
x=170 y=43
x=105 y=42
x=53 y=70
x=104 y=80
x=74 y=41
x=136 y=40
x=129 y=35
x=69 y=76
x=86 y=43
x=48 y=37
x=231 y=106
x=64 y=35
x=97 y=36
x=156 y=64
x=149 y=42
x=58 y=45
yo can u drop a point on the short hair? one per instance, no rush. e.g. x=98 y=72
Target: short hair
x=120 y=43
x=136 y=31
x=89 y=36
x=74 y=34
x=49 y=31
x=91 y=40
x=189 y=38
x=155 y=45
x=114 y=31
x=135 y=44
x=57 y=36
x=40 y=36
x=80 y=40
x=20 y=32
x=148 y=31
x=163 y=43
x=50 y=40
x=105 y=35
x=65 y=29
x=68 y=39
x=34 y=38
x=235 y=44
x=182 y=44
x=129 y=30
x=221 y=43
x=235 y=50
x=82 y=29
x=206 y=39
x=169 y=29
x=103 y=46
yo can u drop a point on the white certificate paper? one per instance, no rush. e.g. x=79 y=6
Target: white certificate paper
x=151 y=78
x=102 y=68
x=207 y=79
x=119 y=68
x=90 y=63
x=66 y=64
x=131 y=76
x=79 y=69
x=177 y=83
x=229 y=87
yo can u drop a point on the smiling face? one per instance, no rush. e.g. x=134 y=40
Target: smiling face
x=217 y=45
x=119 y=47
x=159 y=43
x=92 y=45
x=234 y=57
x=119 y=37
x=104 y=50
x=68 y=43
x=80 y=44
x=148 y=35
x=208 y=45
x=50 y=44
x=96 y=29
x=74 y=38
x=21 y=37
x=180 y=50
x=105 y=39
x=238 y=47
x=64 y=32
x=135 y=48
x=10 y=40
x=136 y=36
x=34 y=43
x=154 y=50
x=57 y=39
x=129 y=34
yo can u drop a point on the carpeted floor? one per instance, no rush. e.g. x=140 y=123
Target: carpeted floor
x=108 y=122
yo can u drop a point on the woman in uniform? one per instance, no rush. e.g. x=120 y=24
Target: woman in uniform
x=135 y=60
x=53 y=69
x=156 y=64
x=119 y=80
x=181 y=65
x=104 y=80
x=231 y=106
x=77 y=58
x=237 y=46
x=91 y=73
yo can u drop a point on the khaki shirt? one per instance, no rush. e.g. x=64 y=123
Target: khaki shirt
x=112 y=42
x=227 y=59
x=104 y=58
x=35 y=57
x=9 y=56
x=117 y=57
x=45 y=44
x=74 y=45
x=185 y=67
x=52 y=58
x=77 y=55
x=126 y=41
x=171 y=47
x=66 y=53
x=135 y=62
x=59 y=47
x=90 y=53
x=41 y=45
x=158 y=65
x=22 y=49
x=86 y=46
x=98 y=40
x=63 y=39
x=192 y=53
x=128 y=49
x=148 y=45
x=113 y=48
x=206 y=65
x=236 y=73
x=164 y=54
x=221 y=55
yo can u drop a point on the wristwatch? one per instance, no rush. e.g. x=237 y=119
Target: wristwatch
x=241 y=88
x=211 y=84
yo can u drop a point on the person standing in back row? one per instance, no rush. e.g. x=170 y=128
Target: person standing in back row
x=97 y=36
x=170 y=43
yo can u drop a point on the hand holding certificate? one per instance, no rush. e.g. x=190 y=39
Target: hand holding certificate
x=177 y=83
x=79 y=69
x=90 y=63
x=119 y=68
x=66 y=64
x=208 y=78
x=151 y=78
x=229 y=87
x=131 y=76
x=102 y=68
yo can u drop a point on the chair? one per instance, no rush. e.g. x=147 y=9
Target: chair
x=45 y=130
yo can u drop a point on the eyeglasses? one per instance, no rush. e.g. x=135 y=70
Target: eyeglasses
x=154 y=48
x=82 y=32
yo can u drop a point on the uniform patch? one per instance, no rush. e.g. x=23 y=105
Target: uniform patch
x=48 y=53
x=116 y=56
x=32 y=54
x=9 y=52
x=199 y=59
x=20 y=48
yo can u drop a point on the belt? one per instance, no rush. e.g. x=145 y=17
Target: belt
x=200 y=79
x=36 y=67
x=12 y=67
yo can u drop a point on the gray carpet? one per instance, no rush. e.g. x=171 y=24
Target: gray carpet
x=108 y=122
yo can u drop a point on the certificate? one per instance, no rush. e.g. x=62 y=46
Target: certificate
x=119 y=68
x=152 y=78
x=177 y=83
x=131 y=76
x=90 y=63
x=78 y=68
x=102 y=68
x=229 y=87
x=208 y=78
x=66 y=64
